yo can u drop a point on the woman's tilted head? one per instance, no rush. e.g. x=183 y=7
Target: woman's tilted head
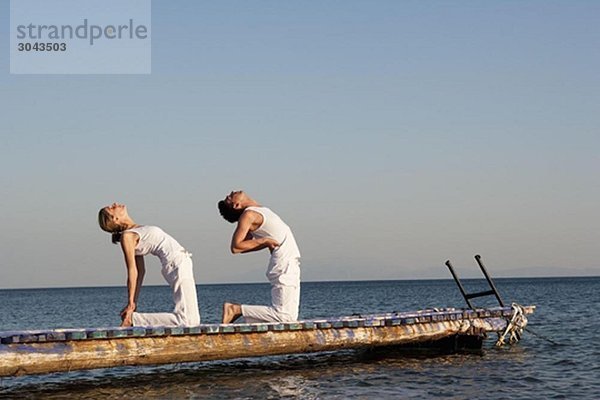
x=113 y=219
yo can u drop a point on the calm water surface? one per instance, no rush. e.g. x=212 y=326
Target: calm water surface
x=567 y=313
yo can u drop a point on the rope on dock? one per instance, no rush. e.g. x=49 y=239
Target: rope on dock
x=514 y=328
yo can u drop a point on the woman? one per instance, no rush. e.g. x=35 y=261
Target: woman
x=137 y=241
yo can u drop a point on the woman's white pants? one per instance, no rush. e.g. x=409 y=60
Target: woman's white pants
x=180 y=278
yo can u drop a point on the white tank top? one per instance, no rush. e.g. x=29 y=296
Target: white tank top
x=273 y=227
x=157 y=242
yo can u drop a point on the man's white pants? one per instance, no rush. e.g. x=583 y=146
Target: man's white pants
x=180 y=277
x=285 y=300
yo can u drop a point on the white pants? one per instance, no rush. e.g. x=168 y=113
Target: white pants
x=181 y=280
x=285 y=300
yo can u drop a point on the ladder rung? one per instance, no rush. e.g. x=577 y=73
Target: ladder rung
x=480 y=294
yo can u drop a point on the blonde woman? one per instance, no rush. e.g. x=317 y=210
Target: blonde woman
x=137 y=241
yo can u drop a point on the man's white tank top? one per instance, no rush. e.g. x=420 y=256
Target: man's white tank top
x=273 y=227
x=285 y=259
x=157 y=242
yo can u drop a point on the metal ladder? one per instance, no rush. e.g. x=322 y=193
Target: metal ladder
x=468 y=296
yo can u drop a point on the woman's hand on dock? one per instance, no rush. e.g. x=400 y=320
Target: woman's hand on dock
x=127 y=314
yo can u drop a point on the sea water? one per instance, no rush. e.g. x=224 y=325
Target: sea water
x=558 y=359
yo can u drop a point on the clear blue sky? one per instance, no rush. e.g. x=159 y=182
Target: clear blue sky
x=390 y=135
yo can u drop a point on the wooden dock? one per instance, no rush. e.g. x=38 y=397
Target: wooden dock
x=37 y=352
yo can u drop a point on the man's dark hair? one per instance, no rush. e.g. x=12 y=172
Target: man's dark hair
x=229 y=213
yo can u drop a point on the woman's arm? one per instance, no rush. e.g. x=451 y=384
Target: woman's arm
x=242 y=242
x=128 y=243
x=141 y=270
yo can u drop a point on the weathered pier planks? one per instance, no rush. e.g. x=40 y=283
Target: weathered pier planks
x=36 y=352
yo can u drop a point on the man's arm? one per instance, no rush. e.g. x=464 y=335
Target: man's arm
x=242 y=242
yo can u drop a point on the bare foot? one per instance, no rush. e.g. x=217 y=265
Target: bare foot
x=231 y=312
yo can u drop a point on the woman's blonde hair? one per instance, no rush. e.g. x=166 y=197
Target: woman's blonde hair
x=108 y=225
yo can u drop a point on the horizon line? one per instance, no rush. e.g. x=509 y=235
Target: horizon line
x=312 y=281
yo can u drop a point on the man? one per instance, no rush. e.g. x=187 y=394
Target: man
x=260 y=228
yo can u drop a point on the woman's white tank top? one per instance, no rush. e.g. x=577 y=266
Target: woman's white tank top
x=157 y=242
